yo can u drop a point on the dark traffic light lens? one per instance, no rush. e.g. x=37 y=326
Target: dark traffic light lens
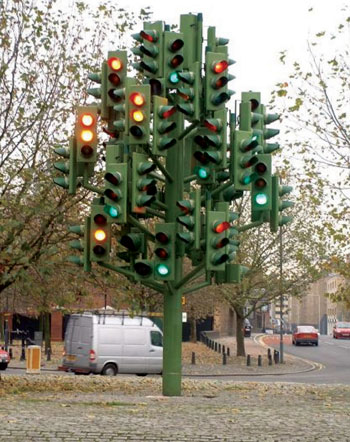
x=176 y=61
x=143 y=269
x=260 y=183
x=100 y=219
x=162 y=237
x=261 y=168
x=99 y=250
x=87 y=151
x=136 y=131
x=162 y=253
x=114 y=79
x=176 y=45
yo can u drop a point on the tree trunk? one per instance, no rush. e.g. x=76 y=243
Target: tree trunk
x=193 y=336
x=239 y=334
x=47 y=331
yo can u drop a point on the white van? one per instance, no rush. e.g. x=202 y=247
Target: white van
x=112 y=343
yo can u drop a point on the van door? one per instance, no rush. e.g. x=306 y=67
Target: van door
x=81 y=341
x=135 y=350
x=155 y=356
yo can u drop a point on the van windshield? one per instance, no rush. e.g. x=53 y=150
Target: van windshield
x=156 y=339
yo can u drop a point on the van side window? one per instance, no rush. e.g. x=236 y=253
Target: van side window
x=156 y=339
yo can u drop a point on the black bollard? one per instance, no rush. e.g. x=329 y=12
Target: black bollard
x=223 y=349
x=276 y=356
x=11 y=353
x=48 y=354
x=228 y=351
x=248 y=360
x=224 y=359
x=215 y=346
x=219 y=348
x=259 y=361
x=269 y=357
x=23 y=352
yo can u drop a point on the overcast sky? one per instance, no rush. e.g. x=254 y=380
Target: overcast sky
x=258 y=31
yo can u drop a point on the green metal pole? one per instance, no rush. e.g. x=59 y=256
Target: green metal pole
x=172 y=298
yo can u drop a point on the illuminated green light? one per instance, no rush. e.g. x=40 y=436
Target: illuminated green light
x=113 y=212
x=261 y=199
x=174 y=78
x=162 y=270
x=202 y=172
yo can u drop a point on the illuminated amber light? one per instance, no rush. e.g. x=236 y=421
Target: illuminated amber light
x=137 y=99
x=87 y=120
x=137 y=116
x=87 y=135
x=100 y=235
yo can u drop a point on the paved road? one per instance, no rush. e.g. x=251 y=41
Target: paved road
x=116 y=410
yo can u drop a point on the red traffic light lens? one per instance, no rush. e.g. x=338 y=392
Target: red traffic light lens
x=115 y=63
x=168 y=112
x=220 y=66
x=162 y=237
x=176 y=45
x=213 y=124
x=100 y=219
x=137 y=99
x=162 y=253
x=220 y=82
x=114 y=179
x=151 y=36
x=87 y=120
x=220 y=227
x=261 y=168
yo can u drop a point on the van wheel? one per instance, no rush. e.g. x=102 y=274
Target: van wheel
x=141 y=374
x=110 y=370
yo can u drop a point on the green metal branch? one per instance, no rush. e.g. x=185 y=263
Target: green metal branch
x=190 y=275
x=249 y=226
x=196 y=287
x=141 y=227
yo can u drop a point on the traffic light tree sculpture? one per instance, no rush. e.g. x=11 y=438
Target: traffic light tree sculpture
x=174 y=155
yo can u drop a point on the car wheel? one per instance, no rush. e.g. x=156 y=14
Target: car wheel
x=3 y=365
x=141 y=374
x=296 y=343
x=316 y=343
x=110 y=370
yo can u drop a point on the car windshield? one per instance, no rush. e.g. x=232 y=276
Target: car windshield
x=343 y=325
x=306 y=329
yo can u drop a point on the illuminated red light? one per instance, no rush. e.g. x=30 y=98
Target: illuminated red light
x=220 y=66
x=221 y=227
x=115 y=63
x=137 y=99
x=169 y=112
x=162 y=253
x=151 y=36
x=87 y=120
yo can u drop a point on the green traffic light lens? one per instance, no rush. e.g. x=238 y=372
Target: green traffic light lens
x=202 y=172
x=113 y=212
x=162 y=270
x=261 y=199
x=174 y=78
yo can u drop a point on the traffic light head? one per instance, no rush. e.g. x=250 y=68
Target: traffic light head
x=116 y=71
x=139 y=102
x=150 y=50
x=86 y=134
x=261 y=194
x=277 y=206
x=116 y=192
x=164 y=265
x=216 y=240
x=216 y=80
x=173 y=58
x=100 y=234
x=165 y=126
x=143 y=189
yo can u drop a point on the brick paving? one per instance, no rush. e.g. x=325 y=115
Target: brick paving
x=94 y=408
x=134 y=410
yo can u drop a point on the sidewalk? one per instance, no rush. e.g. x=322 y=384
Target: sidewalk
x=254 y=346
x=207 y=361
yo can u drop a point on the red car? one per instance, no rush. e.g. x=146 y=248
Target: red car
x=305 y=334
x=341 y=330
x=4 y=359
